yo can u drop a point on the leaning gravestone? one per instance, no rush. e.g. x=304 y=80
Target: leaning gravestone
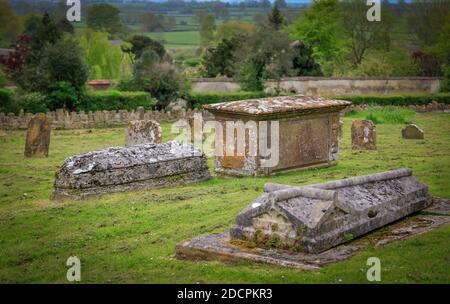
x=364 y=135
x=136 y=167
x=412 y=131
x=38 y=136
x=143 y=132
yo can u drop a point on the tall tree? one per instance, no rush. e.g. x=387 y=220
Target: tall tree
x=207 y=27
x=362 y=33
x=281 y=3
x=275 y=18
x=321 y=28
x=103 y=17
x=141 y=43
x=10 y=27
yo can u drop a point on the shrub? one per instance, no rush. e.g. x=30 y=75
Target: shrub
x=33 y=103
x=3 y=79
x=397 y=100
x=62 y=95
x=112 y=100
x=6 y=101
x=445 y=84
x=157 y=77
x=14 y=102
x=196 y=100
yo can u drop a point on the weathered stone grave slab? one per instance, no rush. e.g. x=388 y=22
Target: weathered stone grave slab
x=143 y=132
x=412 y=131
x=291 y=226
x=136 y=167
x=364 y=135
x=38 y=136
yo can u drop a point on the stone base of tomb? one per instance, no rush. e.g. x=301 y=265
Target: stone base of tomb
x=165 y=181
x=138 y=167
x=221 y=247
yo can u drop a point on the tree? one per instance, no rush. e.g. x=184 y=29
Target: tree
x=207 y=27
x=430 y=23
x=103 y=17
x=10 y=27
x=62 y=62
x=22 y=66
x=281 y=3
x=141 y=43
x=320 y=27
x=105 y=61
x=233 y=28
x=275 y=18
x=303 y=62
x=220 y=60
x=362 y=33
x=265 y=54
x=158 y=77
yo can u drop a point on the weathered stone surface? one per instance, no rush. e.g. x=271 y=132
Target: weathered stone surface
x=130 y=168
x=178 y=104
x=364 y=135
x=38 y=136
x=412 y=131
x=302 y=132
x=143 y=132
x=317 y=217
x=223 y=247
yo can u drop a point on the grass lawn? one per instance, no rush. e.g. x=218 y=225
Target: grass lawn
x=130 y=237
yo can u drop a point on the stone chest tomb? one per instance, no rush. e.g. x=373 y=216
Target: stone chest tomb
x=280 y=133
x=317 y=217
x=136 y=167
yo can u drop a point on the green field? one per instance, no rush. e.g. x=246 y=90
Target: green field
x=176 y=40
x=130 y=237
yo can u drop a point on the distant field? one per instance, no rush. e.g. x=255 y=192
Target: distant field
x=173 y=40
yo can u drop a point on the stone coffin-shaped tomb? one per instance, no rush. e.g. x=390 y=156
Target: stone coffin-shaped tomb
x=317 y=217
x=301 y=227
x=136 y=167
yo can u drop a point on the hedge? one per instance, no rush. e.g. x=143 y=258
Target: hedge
x=397 y=99
x=109 y=100
x=112 y=100
x=6 y=101
x=196 y=100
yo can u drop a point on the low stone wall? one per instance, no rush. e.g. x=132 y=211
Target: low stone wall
x=329 y=86
x=74 y=120
x=77 y=120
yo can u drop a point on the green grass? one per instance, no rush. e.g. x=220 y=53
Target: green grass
x=130 y=237
x=385 y=115
x=185 y=39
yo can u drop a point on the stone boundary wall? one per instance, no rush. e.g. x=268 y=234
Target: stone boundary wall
x=329 y=86
x=73 y=120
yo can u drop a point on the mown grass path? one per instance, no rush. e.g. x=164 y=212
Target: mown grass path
x=130 y=237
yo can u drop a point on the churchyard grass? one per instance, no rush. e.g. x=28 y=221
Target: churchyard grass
x=131 y=237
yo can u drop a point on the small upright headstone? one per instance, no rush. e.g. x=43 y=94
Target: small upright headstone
x=364 y=135
x=412 y=131
x=38 y=136
x=143 y=132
